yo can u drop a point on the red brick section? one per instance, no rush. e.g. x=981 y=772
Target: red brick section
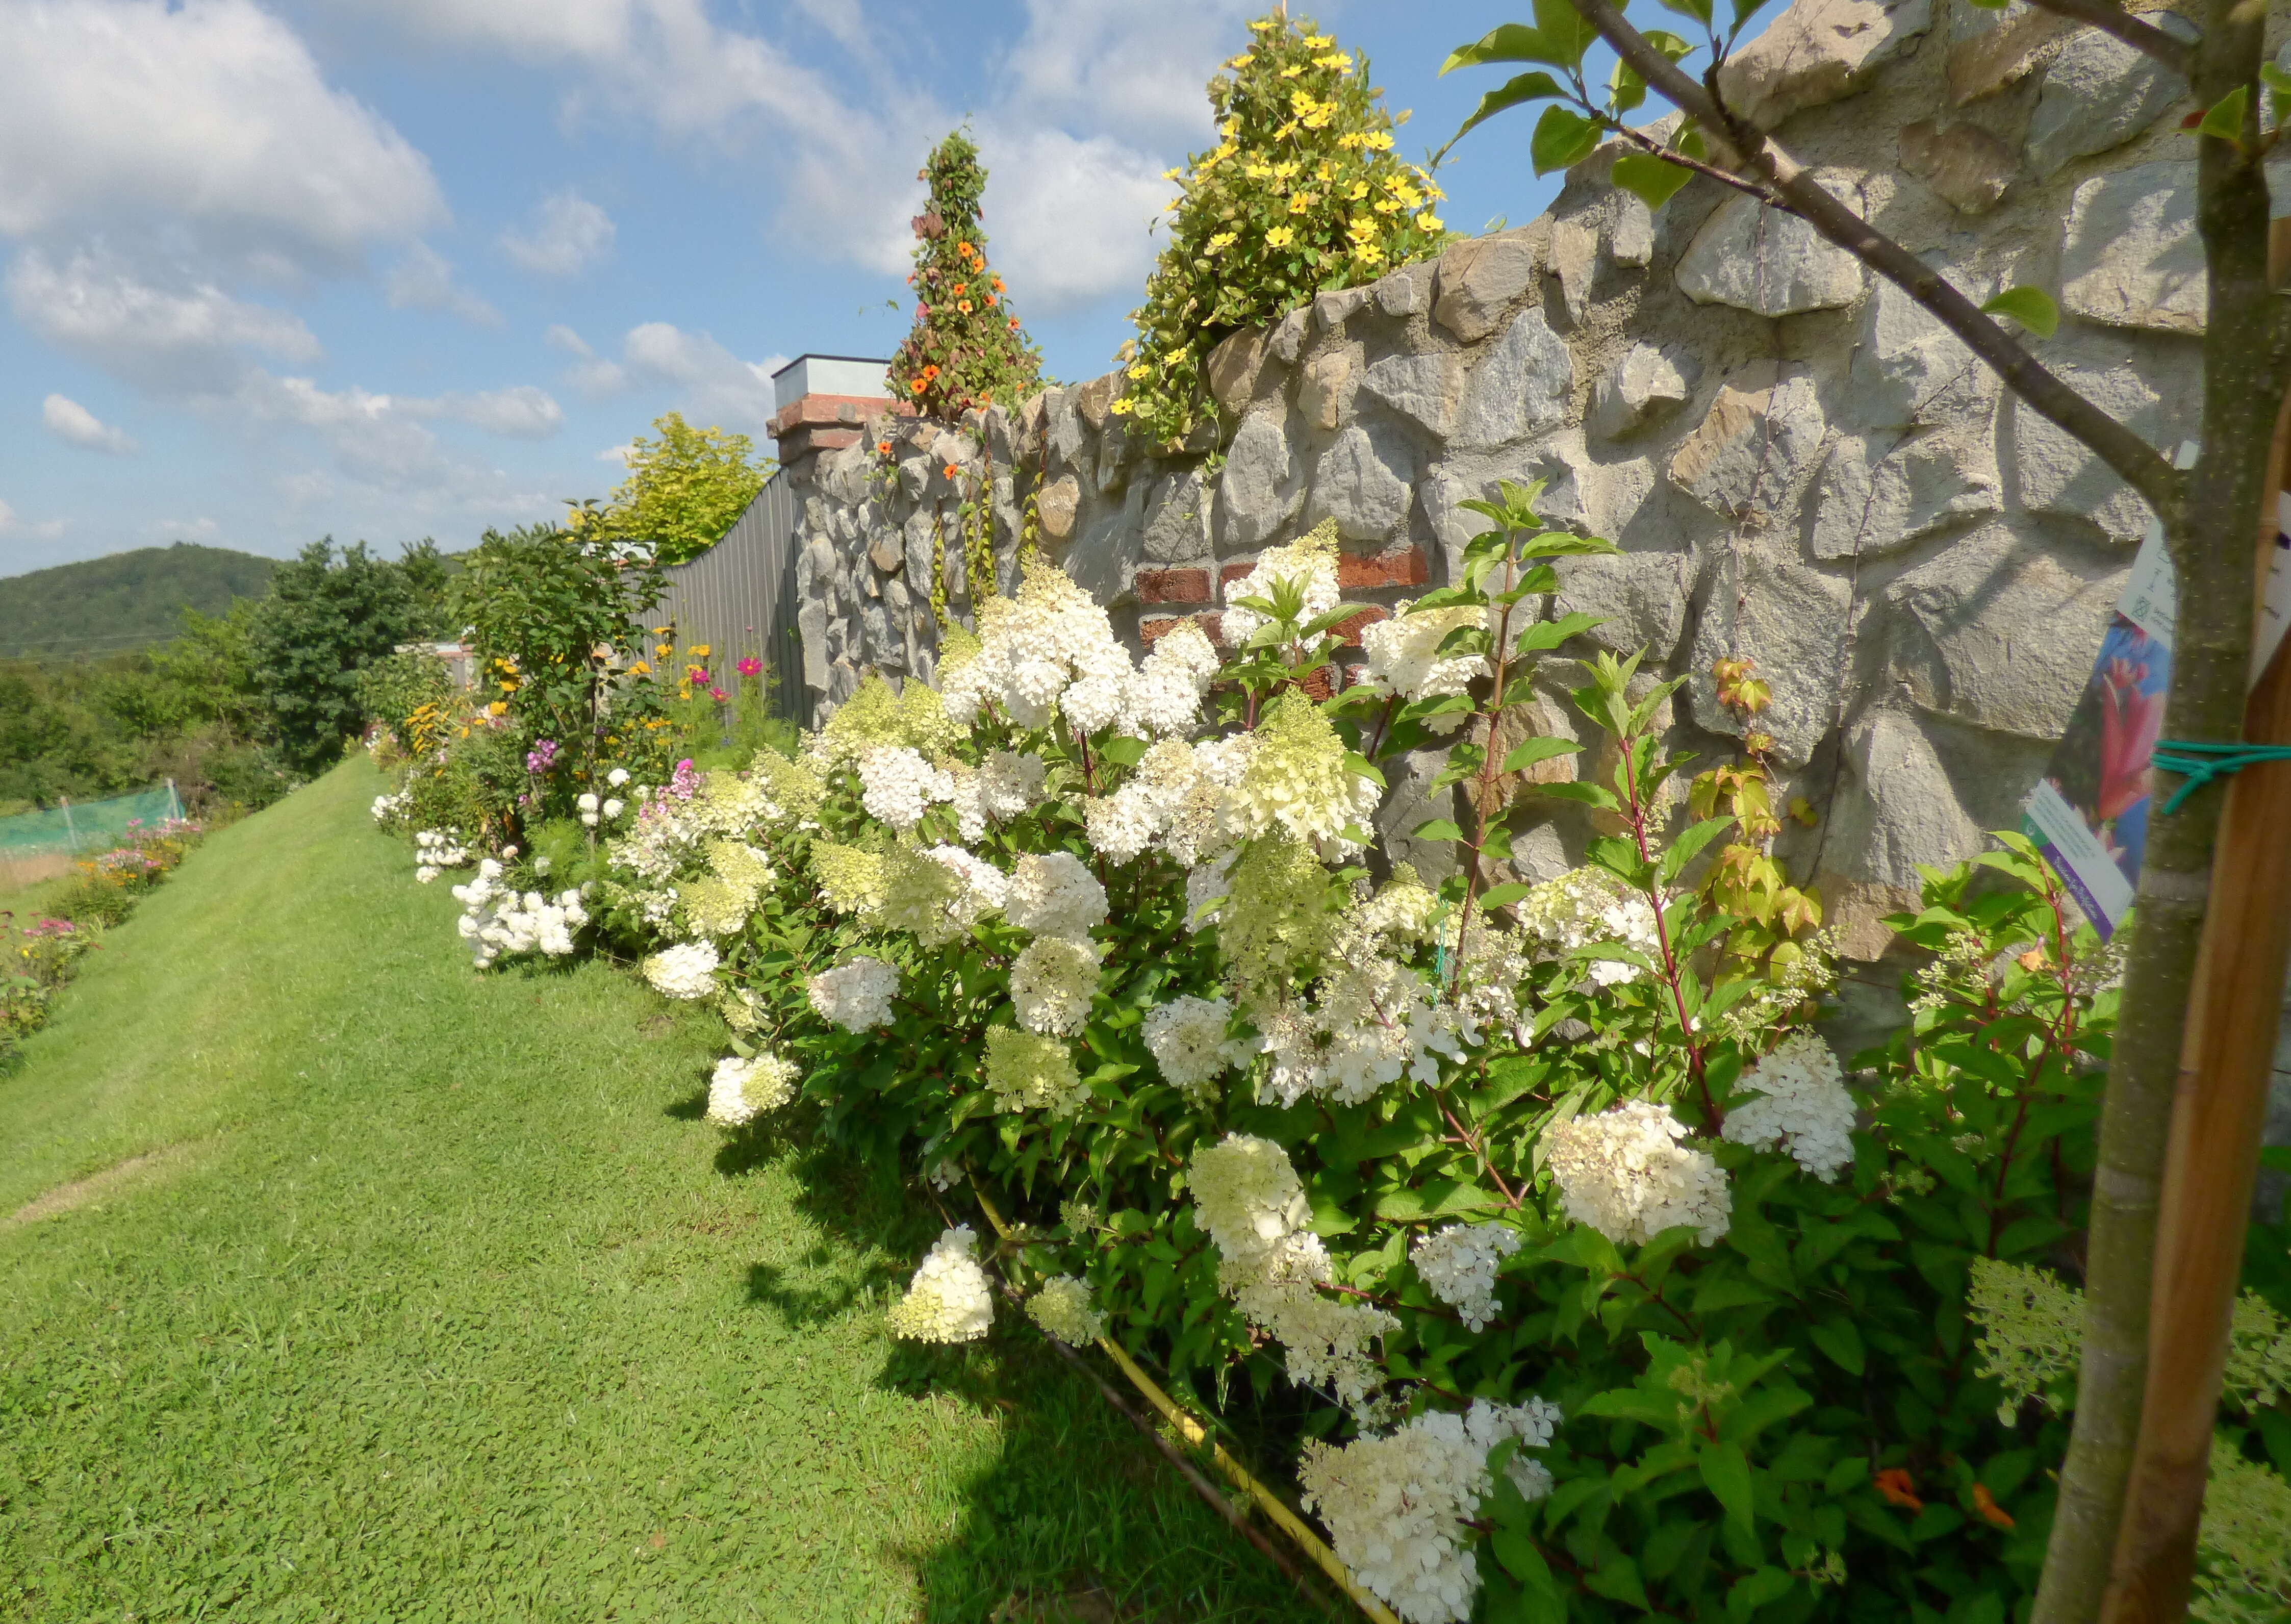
x=1350 y=628
x=1173 y=586
x=1400 y=567
x=826 y=411
x=1151 y=632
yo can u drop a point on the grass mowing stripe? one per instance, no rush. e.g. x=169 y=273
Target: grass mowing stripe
x=449 y=1313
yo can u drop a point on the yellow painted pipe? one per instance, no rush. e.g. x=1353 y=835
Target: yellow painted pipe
x=1191 y=1430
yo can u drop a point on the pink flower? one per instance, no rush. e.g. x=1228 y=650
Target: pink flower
x=750 y=666
x=719 y=696
x=2129 y=722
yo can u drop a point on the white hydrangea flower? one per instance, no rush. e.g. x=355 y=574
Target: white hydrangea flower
x=1203 y=884
x=1403 y=657
x=1803 y=1107
x=1121 y=825
x=686 y=970
x=899 y=787
x=949 y=1299
x=1011 y=782
x=1052 y=894
x=498 y=921
x=439 y=849
x=1062 y=1308
x=742 y=1090
x=856 y=994
x=1624 y=1173
x=1397 y=1506
x=1052 y=981
x=1458 y=1265
x=1309 y=562
x=1585 y=907
x=984 y=887
x=945 y=1173
x=1247 y=1196
x=1186 y=1037
x=617 y=777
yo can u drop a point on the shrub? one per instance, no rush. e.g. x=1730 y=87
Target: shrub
x=1598 y=1285
x=682 y=493
x=1301 y=194
x=328 y=615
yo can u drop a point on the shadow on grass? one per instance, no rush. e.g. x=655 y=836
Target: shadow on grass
x=1078 y=1520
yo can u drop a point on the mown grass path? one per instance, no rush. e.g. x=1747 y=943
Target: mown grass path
x=440 y=1305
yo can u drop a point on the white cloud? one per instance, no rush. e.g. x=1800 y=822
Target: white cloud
x=567 y=235
x=76 y=425
x=423 y=280
x=182 y=529
x=617 y=454
x=705 y=382
x=212 y=113
x=188 y=336
x=521 y=413
x=1119 y=68
x=46 y=531
x=1069 y=224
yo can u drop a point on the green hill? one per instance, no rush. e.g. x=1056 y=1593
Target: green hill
x=109 y=605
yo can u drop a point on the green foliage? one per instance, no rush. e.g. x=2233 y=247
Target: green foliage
x=555 y=618
x=966 y=347
x=122 y=602
x=1301 y=194
x=329 y=613
x=394 y=688
x=189 y=709
x=682 y=493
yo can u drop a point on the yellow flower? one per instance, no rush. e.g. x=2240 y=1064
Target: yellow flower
x=1171 y=206
x=703 y=649
x=1325 y=172
x=498 y=708
x=1351 y=139
x=1292 y=71
x=1361 y=229
x=1222 y=240
x=1381 y=141
x=1285 y=131
x=1279 y=236
x=1429 y=220
x=1388 y=206
x=1230 y=128
x=640 y=669
x=1359 y=191
x=1141 y=369
x=1299 y=204
x=1173 y=174
x=1122 y=407
x=1318 y=42
x=1287 y=168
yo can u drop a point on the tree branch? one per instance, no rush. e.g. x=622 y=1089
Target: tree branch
x=1648 y=144
x=1745 y=150
x=2175 y=52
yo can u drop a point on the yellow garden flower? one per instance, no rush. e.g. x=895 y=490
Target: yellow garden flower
x=1429 y=220
x=1222 y=240
x=1338 y=61
x=1318 y=42
x=1299 y=204
x=1292 y=71
x=1279 y=236
x=1359 y=191
x=1139 y=370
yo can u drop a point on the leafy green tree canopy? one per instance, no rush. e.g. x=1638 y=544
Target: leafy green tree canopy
x=328 y=613
x=683 y=490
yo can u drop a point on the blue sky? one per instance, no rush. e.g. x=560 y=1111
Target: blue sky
x=389 y=268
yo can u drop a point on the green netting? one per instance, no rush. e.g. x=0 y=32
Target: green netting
x=95 y=825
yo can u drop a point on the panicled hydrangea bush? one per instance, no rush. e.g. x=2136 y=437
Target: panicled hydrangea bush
x=1535 y=1190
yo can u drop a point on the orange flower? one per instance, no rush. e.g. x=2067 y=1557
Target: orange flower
x=998 y=285
x=965 y=250
x=962 y=287
x=882 y=449
x=915 y=386
x=991 y=301
x=1895 y=1485
x=963 y=305
x=1014 y=324
x=931 y=371
x=948 y=470
x=1985 y=1507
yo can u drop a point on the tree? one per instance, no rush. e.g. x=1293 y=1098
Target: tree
x=2209 y=515
x=682 y=493
x=966 y=347
x=327 y=615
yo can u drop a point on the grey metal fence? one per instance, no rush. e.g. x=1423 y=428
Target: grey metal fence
x=739 y=597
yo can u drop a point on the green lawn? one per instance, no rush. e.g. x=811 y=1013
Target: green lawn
x=440 y=1303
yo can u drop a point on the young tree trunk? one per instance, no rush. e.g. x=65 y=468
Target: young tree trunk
x=2211 y=555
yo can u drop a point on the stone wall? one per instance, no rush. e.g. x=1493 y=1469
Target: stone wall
x=1800 y=466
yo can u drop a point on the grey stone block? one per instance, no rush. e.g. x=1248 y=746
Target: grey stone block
x=1521 y=385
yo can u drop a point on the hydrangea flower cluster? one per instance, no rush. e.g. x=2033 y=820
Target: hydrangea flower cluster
x=1308 y=564
x=1403 y=657
x=1029 y=1072
x=742 y=1090
x=1458 y=1265
x=1062 y=1308
x=686 y=970
x=1008 y=783
x=1299 y=781
x=1052 y=652
x=1802 y=1107
x=1186 y=1037
x=1052 y=894
x=497 y=921
x=855 y=994
x=435 y=850
x=899 y=787
x=1583 y=908
x=1624 y=1173
x=1174 y=802
x=387 y=809
x=1396 y=1506
x=717 y=903
x=948 y=1300
x=1052 y=981
x=1247 y=1196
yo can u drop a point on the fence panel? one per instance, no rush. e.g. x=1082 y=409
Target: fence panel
x=93 y=825
x=739 y=597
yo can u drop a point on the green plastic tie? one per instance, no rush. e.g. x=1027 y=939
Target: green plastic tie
x=2199 y=763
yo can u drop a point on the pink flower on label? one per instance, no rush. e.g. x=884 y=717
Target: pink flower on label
x=2129 y=722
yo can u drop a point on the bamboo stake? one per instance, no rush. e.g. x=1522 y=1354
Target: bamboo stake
x=2218 y=1114
x=1196 y=1433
